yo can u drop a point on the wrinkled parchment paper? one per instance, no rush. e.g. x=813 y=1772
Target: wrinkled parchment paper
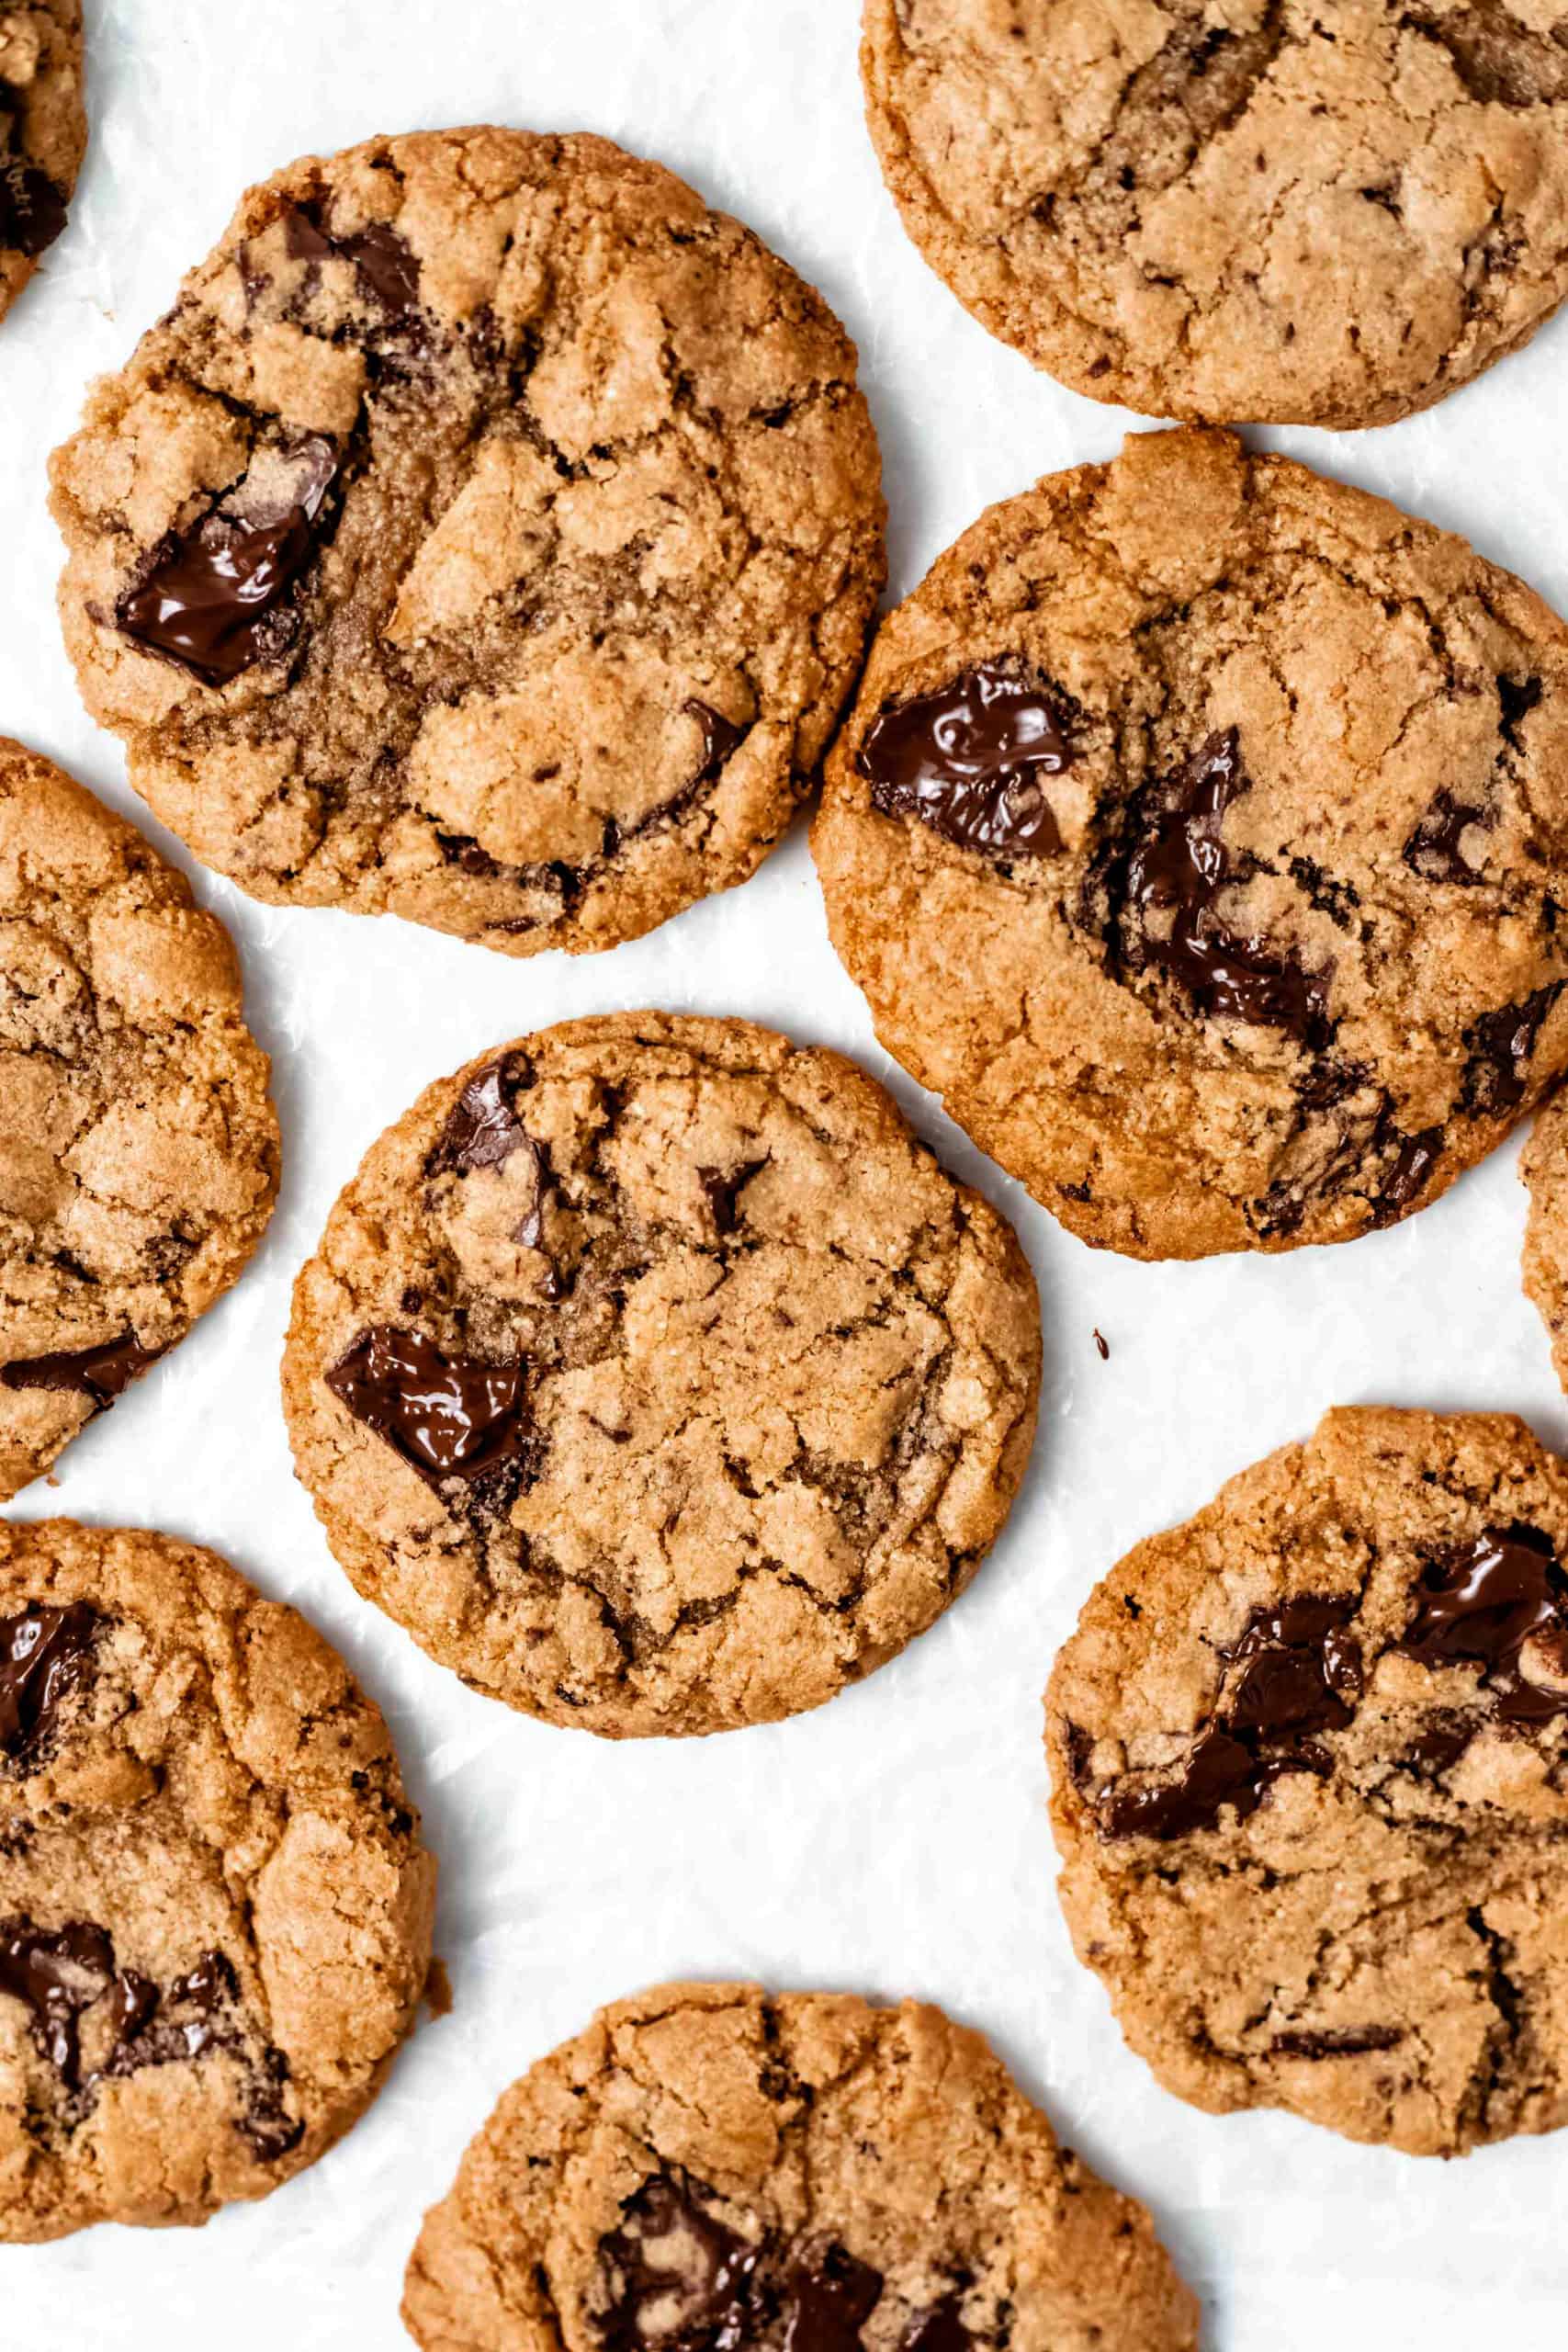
x=896 y=1840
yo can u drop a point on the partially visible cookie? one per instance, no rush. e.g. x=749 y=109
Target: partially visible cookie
x=215 y=1908
x=709 y=2166
x=658 y=1379
x=488 y=535
x=1330 y=215
x=43 y=132
x=1309 y=1757
x=1543 y=1167
x=1200 y=835
x=139 y=1150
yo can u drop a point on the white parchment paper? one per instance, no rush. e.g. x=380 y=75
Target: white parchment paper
x=895 y=1841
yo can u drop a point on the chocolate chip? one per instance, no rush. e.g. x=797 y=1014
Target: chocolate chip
x=1414 y=1157
x=1164 y=887
x=967 y=760
x=59 y=1973
x=266 y=2125
x=1501 y=1043
x=448 y=1416
x=721 y=739
x=1517 y=697
x=384 y=261
x=211 y=598
x=45 y=1655
x=940 y=2329
x=829 y=2297
x=1482 y=1601
x=1337 y=2042
x=484 y=1129
x=1434 y=849
x=673 y=2277
x=1300 y=1672
x=724 y=1191
x=101 y=1374
x=32 y=208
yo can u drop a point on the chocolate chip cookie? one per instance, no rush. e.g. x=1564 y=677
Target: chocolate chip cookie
x=708 y=2166
x=488 y=535
x=43 y=132
x=1324 y=216
x=658 y=1379
x=1543 y=1166
x=1309 y=1766
x=1199 y=835
x=139 y=1150
x=215 y=1908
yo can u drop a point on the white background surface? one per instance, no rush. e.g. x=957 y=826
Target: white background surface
x=896 y=1841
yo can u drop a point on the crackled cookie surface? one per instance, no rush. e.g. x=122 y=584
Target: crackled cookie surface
x=43 y=131
x=1309 y=1757
x=658 y=1379
x=710 y=2166
x=215 y=1909
x=1543 y=1166
x=1199 y=834
x=1330 y=214
x=489 y=535
x=139 y=1150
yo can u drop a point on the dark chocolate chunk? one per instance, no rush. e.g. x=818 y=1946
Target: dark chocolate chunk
x=1414 y=1159
x=1169 y=883
x=448 y=1417
x=1442 y=1743
x=967 y=761
x=1337 y=2042
x=384 y=261
x=1103 y=1345
x=32 y=208
x=102 y=1374
x=45 y=1655
x=940 y=2329
x=1517 y=697
x=721 y=739
x=673 y=2277
x=1497 y=1074
x=1301 y=1672
x=266 y=2125
x=212 y=595
x=483 y=1130
x=1483 y=1602
x=724 y=1189
x=1216 y=1770
x=1433 y=850
x=59 y=1973
x=828 y=2298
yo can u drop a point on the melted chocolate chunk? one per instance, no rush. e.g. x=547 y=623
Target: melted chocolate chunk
x=724 y=1190
x=59 y=1973
x=1482 y=1602
x=1517 y=697
x=1337 y=2042
x=32 y=208
x=384 y=261
x=967 y=761
x=1442 y=1743
x=721 y=739
x=448 y=1416
x=1414 y=1160
x=1300 y=1672
x=1501 y=1043
x=1171 y=880
x=212 y=597
x=267 y=2124
x=1433 y=850
x=45 y=1655
x=102 y=1374
x=829 y=2297
x=940 y=2329
x=674 y=2278
x=484 y=1129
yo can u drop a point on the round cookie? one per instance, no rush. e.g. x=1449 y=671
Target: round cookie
x=1199 y=834
x=1327 y=215
x=43 y=132
x=1309 y=1757
x=657 y=1378
x=139 y=1150
x=215 y=1909
x=709 y=2165
x=489 y=536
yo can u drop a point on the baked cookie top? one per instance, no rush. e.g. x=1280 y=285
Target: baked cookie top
x=139 y=1150
x=708 y=2166
x=489 y=535
x=1199 y=834
x=658 y=1379
x=1323 y=215
x=215 y=1908
x=1309 y=1757
x=43 y=132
